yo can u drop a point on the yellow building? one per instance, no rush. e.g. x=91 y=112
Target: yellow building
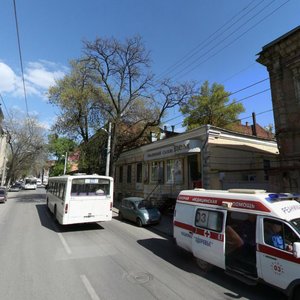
x=208 y=157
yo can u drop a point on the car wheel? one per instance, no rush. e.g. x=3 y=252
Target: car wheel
x=203 y=265
x=120 y=216
x=139 y=222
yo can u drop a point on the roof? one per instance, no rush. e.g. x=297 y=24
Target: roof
x=281 y=38
x=248 y=130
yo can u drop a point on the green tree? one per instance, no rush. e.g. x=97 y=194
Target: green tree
x=211 y=106
x=78 y=100
x=58 y=148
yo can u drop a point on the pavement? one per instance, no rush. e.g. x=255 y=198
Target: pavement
x=165 y=226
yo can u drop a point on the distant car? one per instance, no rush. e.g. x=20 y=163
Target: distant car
x=15 y=188
x=138 y=210
x=3 y=196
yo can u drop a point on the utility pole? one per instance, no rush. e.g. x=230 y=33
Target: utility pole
x=66 y=159
x=108 y=150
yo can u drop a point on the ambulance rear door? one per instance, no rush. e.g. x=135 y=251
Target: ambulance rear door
x=208 y=238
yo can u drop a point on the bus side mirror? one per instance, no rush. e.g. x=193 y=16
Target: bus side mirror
x=296 y=249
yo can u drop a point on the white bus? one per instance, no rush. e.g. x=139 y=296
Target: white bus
x=77 y=199
x=29 y=183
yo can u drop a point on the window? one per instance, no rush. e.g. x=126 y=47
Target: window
x=156 y=170
x=129 y=174
x=174 y=171
x=121 y=174
x=139 y=168
x=61 y=192
x=279 y=235
x=90 y=187
x=209 y=219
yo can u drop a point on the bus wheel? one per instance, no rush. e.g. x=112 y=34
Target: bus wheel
x=139 y=222
x=203 y=265
x=54 y=212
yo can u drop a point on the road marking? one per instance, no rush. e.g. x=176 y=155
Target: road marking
x=66 y=246
x=89 y=288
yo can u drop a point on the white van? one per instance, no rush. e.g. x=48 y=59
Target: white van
x=251 y=234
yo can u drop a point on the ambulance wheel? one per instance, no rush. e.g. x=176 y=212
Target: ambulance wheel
x=296 y=293
x=203 y=265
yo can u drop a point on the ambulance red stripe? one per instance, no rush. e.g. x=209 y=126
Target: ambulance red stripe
x=236 y=203
x=204 y=232
x=277 y=253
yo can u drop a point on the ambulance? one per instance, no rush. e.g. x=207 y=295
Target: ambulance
x=251 y=234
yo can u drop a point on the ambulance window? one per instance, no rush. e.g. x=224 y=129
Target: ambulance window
x=208 y=219
x=279 y=235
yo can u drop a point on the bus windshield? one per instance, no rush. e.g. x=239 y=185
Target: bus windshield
x=90 y=187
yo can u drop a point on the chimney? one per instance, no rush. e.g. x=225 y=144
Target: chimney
x=247 y=123
x=173 y=128
x=254 y=124
x=165 y=128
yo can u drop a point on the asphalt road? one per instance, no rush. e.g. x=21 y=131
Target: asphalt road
x=40 y=260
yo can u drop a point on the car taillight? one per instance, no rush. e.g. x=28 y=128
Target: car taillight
x=66 y=208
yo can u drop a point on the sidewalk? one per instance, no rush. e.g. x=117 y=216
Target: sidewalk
x=165 y=226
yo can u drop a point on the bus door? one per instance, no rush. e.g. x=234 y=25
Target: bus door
x=208 y=238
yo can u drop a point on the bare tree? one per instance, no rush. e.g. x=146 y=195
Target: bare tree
x=134 y=102
x=27 y=144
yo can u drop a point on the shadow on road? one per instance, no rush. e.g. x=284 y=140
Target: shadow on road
x=29 y=198
x=47 y=220
x=168 y=251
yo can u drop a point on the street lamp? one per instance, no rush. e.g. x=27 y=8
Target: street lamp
x=65 y=166
x=108 y=148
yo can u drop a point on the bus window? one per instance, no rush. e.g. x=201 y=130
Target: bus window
x=89 y=187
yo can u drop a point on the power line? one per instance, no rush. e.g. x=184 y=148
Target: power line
x=4 y=105
x=195 y=50
x=230 y=94
x=228 y=44
x=20 y=57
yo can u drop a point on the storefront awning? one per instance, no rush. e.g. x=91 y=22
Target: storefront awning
x=264 y=148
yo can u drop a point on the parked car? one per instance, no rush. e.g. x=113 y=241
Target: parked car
x=3 y=196
x=139 y=210
x=15 y=187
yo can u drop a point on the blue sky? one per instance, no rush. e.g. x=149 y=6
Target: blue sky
x=51 y=34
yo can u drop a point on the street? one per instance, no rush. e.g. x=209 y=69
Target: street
x=114 y=260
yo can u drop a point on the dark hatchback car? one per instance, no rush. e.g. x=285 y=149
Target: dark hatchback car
x=3 y=196
x=138 y=210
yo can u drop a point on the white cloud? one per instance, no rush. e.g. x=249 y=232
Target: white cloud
x=7 y=78
x=39 y=76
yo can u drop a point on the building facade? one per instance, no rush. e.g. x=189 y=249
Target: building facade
x=208 y=157
x=3 y=151
x=282 y=59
